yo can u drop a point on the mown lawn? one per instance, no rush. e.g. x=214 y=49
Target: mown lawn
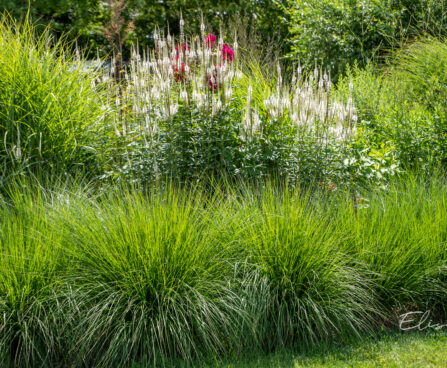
x=397 y=350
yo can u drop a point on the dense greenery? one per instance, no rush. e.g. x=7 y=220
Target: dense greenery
x=59 y=115
x=331 y=33
x=200 y=202
x=403 y=105
x=87 y=19
x=50 y=115
x=104 y=279
x=336 y=33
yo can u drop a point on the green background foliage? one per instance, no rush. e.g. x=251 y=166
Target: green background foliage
x=335 y=33
x=152 y=263
x=85 y=19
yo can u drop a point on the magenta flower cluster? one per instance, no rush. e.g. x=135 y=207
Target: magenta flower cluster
x=227 y=56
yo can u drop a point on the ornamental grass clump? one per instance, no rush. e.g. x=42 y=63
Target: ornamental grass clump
x=400 y=237
x=32 y=323
x=316 y=292
x=153 y=279
x=163 y=275
x=50 y=110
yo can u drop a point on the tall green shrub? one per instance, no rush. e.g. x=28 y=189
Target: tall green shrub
x=402 y=106
x=334 y=33
x=423 y=69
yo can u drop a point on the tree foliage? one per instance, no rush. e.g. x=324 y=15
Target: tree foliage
x=86 y=19
x=335 y=33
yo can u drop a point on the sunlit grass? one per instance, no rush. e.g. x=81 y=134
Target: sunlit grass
x=51 y=112
x=106 y=277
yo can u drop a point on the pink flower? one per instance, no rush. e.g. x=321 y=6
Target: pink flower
x=212 y=80
x=179 y=73
x=210 y=40
x=181 y=48
x=227 y=53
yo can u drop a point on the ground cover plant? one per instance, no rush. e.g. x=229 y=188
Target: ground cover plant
x=196 y=203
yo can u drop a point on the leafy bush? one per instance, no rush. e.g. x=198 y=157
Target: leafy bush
x=422 y=68
x=336 y=33
x=401 y=107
